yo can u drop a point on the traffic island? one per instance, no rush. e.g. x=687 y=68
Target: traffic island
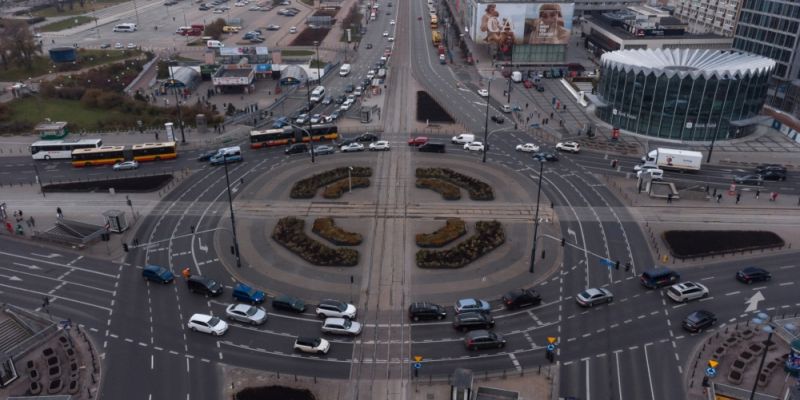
x=453 y=229
x=447 y=190
x=477 y=189
x=336 y=189
x=327 y=229
x=489 y=236
x=307 y=188
x=289 y=233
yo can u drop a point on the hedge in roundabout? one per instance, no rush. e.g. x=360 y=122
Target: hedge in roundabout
x=307 y=188
x=489 y=235
x=452 y=230
x=335 y=190
x=326 y=228
x=478 y=190
x=289 y=233
x=447 y=190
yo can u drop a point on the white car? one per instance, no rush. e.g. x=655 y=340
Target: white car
x=358 y=91
x=118 y=45
x=573 y=147
x=639 y=167
x=301 y=119
x=346 y=105
x=246 y=313
x=656 y=174
x=385 y=34
x=208 y=324
x=683 y=292
x=379 y=145
x=527 y=148
x=483 y=93
x=316 y=118
x=370 y=74
x=390 y=39
x=293 y=29
x=341 y=326
x=123 y=165
x=590 y=297
x=473 y=146
x=329 y=308
x=131 y=46
x=391 y=22
x=239 y=4
x=312 y=345
x=352 y=147
x=218 y=11
x=506 y=108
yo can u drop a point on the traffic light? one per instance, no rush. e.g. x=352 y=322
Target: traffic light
x=125 y=247
x=563 y=242
x=549 y=355
x=616 y=264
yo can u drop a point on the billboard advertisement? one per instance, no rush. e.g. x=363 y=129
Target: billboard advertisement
x=503 y=24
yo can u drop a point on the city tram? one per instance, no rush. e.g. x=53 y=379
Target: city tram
x=105 y=155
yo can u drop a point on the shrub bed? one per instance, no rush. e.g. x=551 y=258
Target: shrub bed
x=289 y=233
x=326 y=228
x=687 y=244
x=452 y=230
x=307 y=188
x=335 y=190
x=447 y=190
x=488 y=237
x=478 y=190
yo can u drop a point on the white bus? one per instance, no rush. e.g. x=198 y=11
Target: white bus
x=127 y=27
x=317 y=94
x=61 y=149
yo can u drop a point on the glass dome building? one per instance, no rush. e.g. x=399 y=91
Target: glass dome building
x=682 y=94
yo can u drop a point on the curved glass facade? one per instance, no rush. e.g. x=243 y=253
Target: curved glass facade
x=680 y=106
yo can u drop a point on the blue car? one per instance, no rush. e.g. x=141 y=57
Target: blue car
x=280 y=123
x=246 y=294
x=157 y=274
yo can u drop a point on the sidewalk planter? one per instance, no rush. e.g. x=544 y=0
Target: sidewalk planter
x=489 y=235
x=326 y=228
x=478 y=190
x=307 y=188
x=453 y=229
x=289 y=233
x=336 y=189
x=447 y=190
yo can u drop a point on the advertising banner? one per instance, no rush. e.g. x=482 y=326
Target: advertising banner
x=504 y=24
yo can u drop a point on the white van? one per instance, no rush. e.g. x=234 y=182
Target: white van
x=345 y=70
x=214 y=44
x=516 y=76
x=317 y=94
x=382 y=73
x=127 y=27
x=463 y=138
x=227 y=155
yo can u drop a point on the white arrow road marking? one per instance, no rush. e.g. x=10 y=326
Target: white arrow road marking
x=571 y=233
x=753 y=302
x=12 y=278
x=33 y=267
x=51 y=255
x=200 y=245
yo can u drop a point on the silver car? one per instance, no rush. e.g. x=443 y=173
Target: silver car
x=124 y=165
x=590 y=297
x=352 y=147
x=246 y=313
x=341 y=326
x=334 y=308
x=323 y=149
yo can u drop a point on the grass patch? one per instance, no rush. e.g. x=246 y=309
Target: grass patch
x=67 y=23
x=33 y=110
x=296 y=53
x=86 y=58
x=87 y=8
x=687 y=244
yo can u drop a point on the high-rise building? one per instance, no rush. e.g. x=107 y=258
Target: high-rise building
x=708 y=16
x=771 y=28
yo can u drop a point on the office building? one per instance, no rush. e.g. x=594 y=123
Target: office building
x=708 y=16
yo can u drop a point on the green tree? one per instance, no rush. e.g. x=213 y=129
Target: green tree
x=214 y=29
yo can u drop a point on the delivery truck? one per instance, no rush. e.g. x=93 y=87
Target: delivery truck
x=680 y=160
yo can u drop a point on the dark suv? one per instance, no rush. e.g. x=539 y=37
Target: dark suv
x=483 y=339
x=753 y=274
x=521 y=298
x=698 y=320
x=288 y=303
x=473 y=320
x=424 y=310
x=296 y=148
x=203 y=285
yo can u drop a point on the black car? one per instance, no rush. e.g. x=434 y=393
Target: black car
x=519 y=298
x=753 y=274
x=365 y=82
x=770 y=167
x=288 y=303
x=472 y=320
x=498 y=119
x=368 y=137
x=773 y=175
x=296 y=148
x=345 y=141
x=482 y=339
x=340 y=99
x=424 y=310
x=203 y=285
x=349 y=88
x=545 y=156
x=748 y=180
x=698 y=320
x=207 y=156
x=203 y=8
x=368 y=46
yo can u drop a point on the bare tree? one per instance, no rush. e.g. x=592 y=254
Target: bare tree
x=19 y=46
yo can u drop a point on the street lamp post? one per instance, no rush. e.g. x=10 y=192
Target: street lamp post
x=350 y=179
x=308 y=133
x=316 y=50
x=486 y=120
x=233 y=219
x=536 y=216
x=308 y=114
x=762 y=320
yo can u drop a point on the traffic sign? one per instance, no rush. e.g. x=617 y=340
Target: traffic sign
x=551 y=347
x=417 y=358
x=417 y=365
x=713 y=363
x=711 y=372
x=551 y=339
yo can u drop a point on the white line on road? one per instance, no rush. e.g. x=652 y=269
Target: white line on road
x=515 y=362
x=649 y=374
x=619 y=375
x=588 y=392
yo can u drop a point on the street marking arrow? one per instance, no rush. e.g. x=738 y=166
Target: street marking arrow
x=753 y=302
x=12 y=278
x=51 y=255
x=200 y=245
x=33 y=267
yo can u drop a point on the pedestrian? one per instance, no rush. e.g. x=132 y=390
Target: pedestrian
x=28 y=222
x=551 y=115
x=715 y=193
x=627 y=266
x=186 y=273
x=9 y=227
x=565 y=107
x=719 y=197
x=20 y=214
x=33 y=221
x=758 y=192
x=669 y=198
x=16 y=216
x=738 y=197
x=191 y=228
x=526 y=106
x=774 y=196
x=135 y=241
x=798 y=201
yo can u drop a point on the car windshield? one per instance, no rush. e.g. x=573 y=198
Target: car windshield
x=338 y=306
x=214 y=321
x=347 y=324
x=251 y=311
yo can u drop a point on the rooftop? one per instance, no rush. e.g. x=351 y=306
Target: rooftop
x=694 y=62
x=625 y=35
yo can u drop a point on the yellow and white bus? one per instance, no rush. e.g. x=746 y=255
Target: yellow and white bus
x=105 y=155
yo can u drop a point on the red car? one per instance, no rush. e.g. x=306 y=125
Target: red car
x=528 y=84
x=418 y=141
